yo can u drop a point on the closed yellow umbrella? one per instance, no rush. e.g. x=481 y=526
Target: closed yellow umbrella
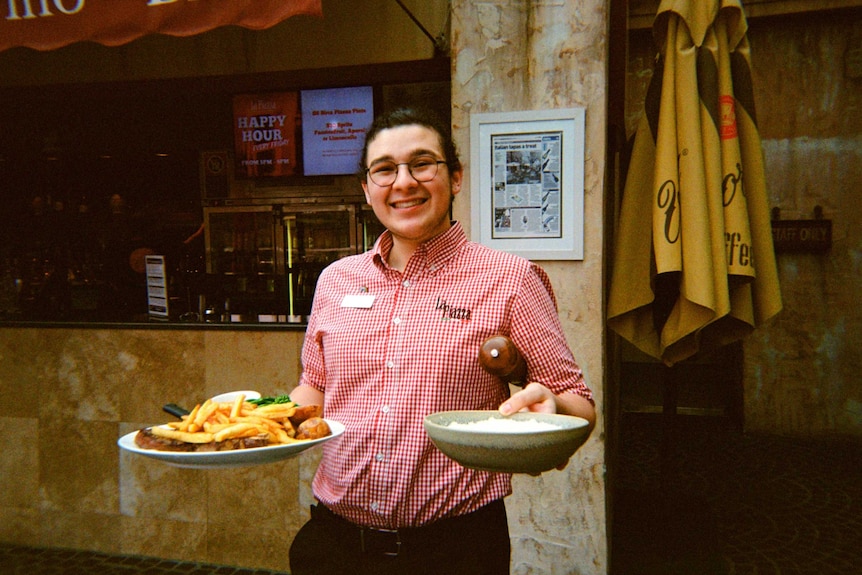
x=694 y=266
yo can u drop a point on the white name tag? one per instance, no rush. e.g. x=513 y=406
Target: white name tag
x=358 y=300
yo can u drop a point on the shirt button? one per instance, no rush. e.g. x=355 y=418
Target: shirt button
x=406 y=283
x=390 y=364
x=385 y=409
x=396 y=320
x=374 y=505
x=379 y=457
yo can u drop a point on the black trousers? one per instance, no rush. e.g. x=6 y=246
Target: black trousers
x=473 y=544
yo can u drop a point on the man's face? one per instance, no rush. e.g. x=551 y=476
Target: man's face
x=412 y=211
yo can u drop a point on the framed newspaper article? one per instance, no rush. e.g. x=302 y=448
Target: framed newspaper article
x=527 y=183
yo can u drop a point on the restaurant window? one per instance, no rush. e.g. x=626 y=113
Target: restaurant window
x=97 y=177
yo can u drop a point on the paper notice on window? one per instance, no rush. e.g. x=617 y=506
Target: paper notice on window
x=157 y=287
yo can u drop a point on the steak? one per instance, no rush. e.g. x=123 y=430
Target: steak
x=146 y=440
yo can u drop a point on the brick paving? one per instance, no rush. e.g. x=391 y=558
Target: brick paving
x=17 y=560
x=733 y=503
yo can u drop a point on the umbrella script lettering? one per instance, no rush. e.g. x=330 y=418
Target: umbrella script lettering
x=738 y=252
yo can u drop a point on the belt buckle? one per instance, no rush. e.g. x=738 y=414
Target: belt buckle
x=364 y=545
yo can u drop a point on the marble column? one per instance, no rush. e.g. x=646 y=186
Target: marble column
x=510 y=55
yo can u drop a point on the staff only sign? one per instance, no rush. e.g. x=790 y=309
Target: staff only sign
x=50 y=24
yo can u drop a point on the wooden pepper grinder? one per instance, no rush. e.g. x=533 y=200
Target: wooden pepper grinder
x=499 y=356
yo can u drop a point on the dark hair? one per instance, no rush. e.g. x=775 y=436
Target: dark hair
x=409 y=117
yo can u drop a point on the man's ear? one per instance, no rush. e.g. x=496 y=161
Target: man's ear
x=455 y=179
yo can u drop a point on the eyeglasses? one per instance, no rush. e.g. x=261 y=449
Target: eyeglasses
x=422 y=168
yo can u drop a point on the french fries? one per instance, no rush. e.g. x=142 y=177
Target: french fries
x=182 y=435
x=217 y=421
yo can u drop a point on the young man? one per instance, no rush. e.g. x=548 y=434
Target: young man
x=394 y=335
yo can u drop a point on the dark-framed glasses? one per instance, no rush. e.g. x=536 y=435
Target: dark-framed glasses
x=422 y=168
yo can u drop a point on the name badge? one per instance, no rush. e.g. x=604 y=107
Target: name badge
x=358 y=300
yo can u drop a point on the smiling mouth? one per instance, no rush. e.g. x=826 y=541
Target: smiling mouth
x=408 y=203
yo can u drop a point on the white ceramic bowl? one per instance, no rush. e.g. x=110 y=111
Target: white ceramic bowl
x=230 y=396
x=517 y=449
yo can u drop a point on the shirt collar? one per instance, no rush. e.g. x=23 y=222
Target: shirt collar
x=436 y=252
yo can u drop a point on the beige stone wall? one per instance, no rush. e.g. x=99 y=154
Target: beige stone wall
x=511 y=56
x=801 y=371
x=67 y=395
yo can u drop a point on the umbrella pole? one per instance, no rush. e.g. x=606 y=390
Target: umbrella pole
x=669 y=421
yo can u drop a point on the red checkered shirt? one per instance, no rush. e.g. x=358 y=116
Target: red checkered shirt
x=414 y=351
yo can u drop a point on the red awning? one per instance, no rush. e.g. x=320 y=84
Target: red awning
x=50 y=24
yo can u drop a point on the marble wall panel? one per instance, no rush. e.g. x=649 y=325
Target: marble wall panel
x=70 y=486
x=255 y=498
x=78 y=469
x=80 y=530
x=151 y=489
x=160 y=537
x=254 y=513
x=19 y=464
x=26 y=360
x=263 y=361
x=20 y=525
x=151 y=369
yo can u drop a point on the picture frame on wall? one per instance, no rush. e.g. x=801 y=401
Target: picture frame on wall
x=527 y=182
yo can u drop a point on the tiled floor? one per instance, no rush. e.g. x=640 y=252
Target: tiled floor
x=725 y=503
x=28 y=561
x=730 y=503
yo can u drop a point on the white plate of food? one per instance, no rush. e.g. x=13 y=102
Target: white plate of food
x=234 y=429
x=232 y=458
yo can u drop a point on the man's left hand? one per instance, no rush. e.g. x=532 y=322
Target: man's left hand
x=537 y=398
x=534 y=397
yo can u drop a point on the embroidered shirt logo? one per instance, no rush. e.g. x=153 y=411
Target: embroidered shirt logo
x=449 y=312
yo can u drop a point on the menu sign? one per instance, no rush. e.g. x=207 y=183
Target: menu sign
x=264 y=134
x=157 y=287
x=50 y=24
x=334 y=122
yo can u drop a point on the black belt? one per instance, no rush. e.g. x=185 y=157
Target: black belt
x=390 y=542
